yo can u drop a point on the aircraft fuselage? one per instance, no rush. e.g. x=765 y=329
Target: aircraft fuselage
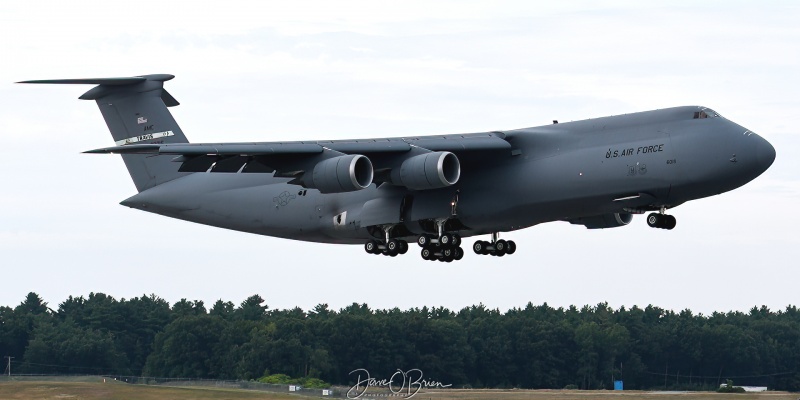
x=579 y=171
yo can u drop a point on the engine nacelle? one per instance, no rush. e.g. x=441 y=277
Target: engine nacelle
x=341 y=174
x=428 y=171
x=604 y=221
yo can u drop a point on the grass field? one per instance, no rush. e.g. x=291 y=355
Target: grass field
x=95 y=389
x=119 y=391
x=595 y=394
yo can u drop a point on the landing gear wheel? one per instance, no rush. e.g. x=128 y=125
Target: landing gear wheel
x=655 y=220
x=456 y=240
x=669 y=222
x=403 y=249
x=479 y=247
x=512 y=247
x=371 y=247
x=445 y=240
x=458 y=254
x=447 y=253
x=427 y=254
x=500 y=247
x=424 y=240
x=392 y=247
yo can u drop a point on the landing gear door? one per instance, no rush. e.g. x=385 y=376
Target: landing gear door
x=433 y=204
x=382 y=211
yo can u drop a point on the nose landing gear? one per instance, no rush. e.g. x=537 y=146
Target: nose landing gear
x=661 y=220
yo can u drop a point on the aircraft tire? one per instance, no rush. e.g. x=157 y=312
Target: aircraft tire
x=447 y=255
x=456 y=240
x=426 y=254
x=458 y=254
x=424 y=241
x=500 y=247
x=654 y=220
x=479 y=247
x=670 y=222
x=512 y=247
x=403 y=249
x=445 y=240
x=371 y=247
x=392 y=247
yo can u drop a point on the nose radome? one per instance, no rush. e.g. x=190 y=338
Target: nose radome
x=765 y=154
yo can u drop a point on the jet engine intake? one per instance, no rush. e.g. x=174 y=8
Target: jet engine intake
x=342 y=174
x=428 y=171
x=604 y=221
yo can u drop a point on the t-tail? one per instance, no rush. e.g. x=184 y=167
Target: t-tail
x=135 y=110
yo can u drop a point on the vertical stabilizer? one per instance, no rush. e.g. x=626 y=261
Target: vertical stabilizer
x=135 y=111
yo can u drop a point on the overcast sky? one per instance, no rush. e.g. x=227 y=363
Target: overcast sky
x=262 y=71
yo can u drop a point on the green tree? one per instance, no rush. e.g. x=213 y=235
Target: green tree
x=64 y=347
x=186 y=348
x=222 y=309
x=252 y=309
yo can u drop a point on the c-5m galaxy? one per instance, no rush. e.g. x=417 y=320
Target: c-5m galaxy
x=434 y=190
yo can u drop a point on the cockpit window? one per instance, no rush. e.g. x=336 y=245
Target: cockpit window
x=705 y=113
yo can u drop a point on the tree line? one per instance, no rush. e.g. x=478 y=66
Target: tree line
x=537 y=346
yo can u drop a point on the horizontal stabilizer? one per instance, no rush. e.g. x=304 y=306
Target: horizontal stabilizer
x=91 y=81
x=107 y=86
x=106 y=81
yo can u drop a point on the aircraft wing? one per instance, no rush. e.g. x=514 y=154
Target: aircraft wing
x=453 y=143
x=294 y=159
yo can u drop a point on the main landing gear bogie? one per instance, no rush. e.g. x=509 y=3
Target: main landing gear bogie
x=499 y=248
x=391 y=248
x=445 y=248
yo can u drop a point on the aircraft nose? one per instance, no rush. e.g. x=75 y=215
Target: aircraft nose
x=765 y=154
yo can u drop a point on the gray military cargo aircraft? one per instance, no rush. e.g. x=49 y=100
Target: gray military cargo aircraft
x=434 y=190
